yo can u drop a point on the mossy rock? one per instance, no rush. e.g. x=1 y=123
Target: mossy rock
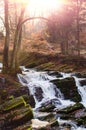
x=13 y=103
x=71 y=109
x=30 y=128
x=68 y=87
x=80 y=75
x=47 y=107
x=83 y=82
x=3 y=95
x=19 y=116
x=82 y=121
x=55 y=73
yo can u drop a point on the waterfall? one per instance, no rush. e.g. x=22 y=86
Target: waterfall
x=81 y=90
x=40 y=86
x=40 y=81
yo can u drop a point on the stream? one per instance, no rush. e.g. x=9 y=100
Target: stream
x=40 y=82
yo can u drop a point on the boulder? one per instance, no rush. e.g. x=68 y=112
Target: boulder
x=80 y=75
x=68 y=87
x=19 y=116
x=40 y=125
x=71 y=109
x=38 y=93
x=55 y=73
x=83 y=82
x=82 y=120
x=49 y=105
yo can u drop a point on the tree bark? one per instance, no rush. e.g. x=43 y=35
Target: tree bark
x=78 y=29
x=17 y=43
x=7 y=37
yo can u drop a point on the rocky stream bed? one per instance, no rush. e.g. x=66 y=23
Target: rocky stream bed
x=47 y=100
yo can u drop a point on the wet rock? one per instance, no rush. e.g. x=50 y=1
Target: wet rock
x=55 y=73
x=38 y=93
x=80 y=75
x=13 y=103
x=15 y=112
x=19 y=116
x=54 y=123
x=31 y=101
x=68 y=87
x=80 y=113
x=71 y=109
x=49 y=105
x=82 y=121
x=83 y=82
x=3 y=95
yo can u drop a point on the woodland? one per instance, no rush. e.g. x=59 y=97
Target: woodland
x=45 y=42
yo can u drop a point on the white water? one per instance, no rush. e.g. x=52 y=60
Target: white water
x=1 y=66
x=34 y=79
x=72 y=124
x=81 y=90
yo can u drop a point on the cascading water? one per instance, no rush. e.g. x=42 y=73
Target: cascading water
x=40 y=81
x=81 y=90
x=72 y=124
x=34 y=80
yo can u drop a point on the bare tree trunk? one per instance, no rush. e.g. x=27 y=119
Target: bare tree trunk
x=7 y=38
x=66 y=44
x=78 y=29
x=18 y=49
x=17 y=43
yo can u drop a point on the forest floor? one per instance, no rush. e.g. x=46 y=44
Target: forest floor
x=55 y=62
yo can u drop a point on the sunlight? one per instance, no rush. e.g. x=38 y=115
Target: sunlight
x=45 y=6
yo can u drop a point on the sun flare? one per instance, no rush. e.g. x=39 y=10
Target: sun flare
x=44 y=6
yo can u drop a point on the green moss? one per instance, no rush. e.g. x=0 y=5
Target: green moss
x=20 y=116
x=47 y=108
x=30 y=128
x=73 y=108
x=68 y=88
x=46 y=66
x=82 y=120
x=13 y=103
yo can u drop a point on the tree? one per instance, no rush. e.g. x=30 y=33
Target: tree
x=7 y=38
x=13 y=63
x=60 y=27
x=80 y=11
x=66 y=26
